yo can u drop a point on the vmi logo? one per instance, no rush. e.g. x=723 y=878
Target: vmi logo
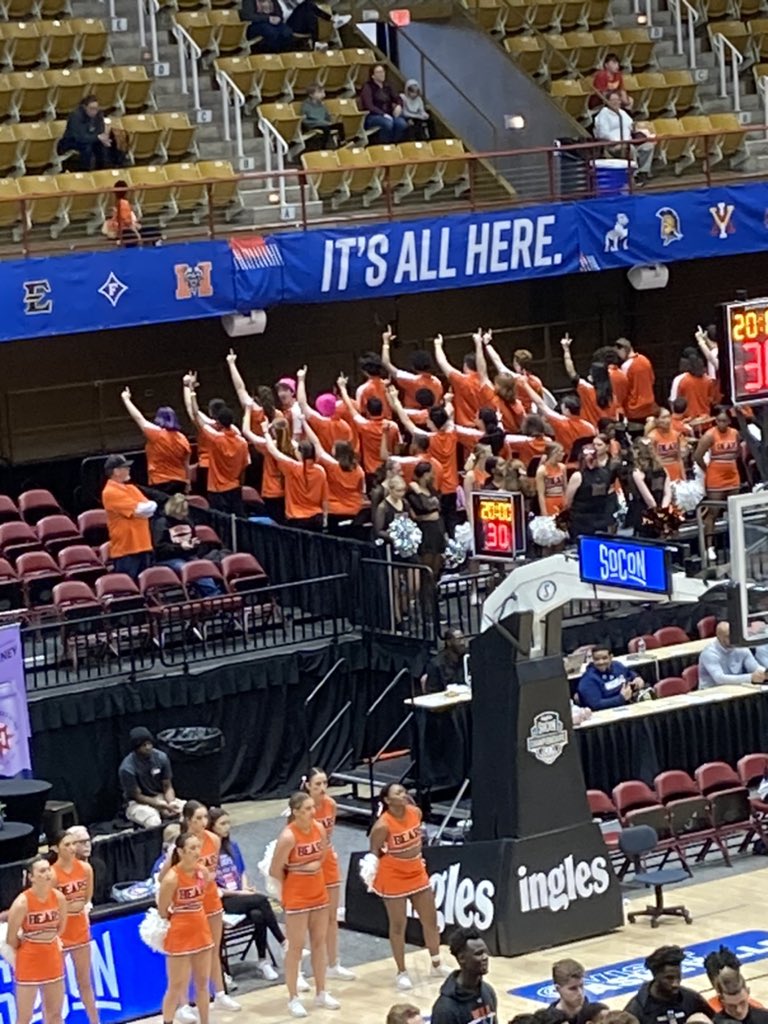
x=460 y=900
x=566 y=882
x=194 y=282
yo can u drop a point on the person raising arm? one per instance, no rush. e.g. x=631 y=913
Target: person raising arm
x=373 y=430
x=568 y=425
x=470 y=385
x=166 y=446
x=346 y=481
x=328 y=428
x=410 y=383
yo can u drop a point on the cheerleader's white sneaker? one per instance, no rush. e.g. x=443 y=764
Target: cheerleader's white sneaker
x=403 y=982
x=296 y=1008
x=302 y=985
x=326 y=1001
x=337 y=971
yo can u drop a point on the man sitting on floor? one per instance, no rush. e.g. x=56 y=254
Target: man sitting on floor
x=607 y=683
x=146 y=781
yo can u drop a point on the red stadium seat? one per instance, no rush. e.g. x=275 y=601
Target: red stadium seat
x=706 y=627
x=93 y=526
x=104 y=554
x=731 y=810
x=11 y=592
x=650 y=642
x=197 y=501
x=36 y=504
x=58 y=532
x=39 y=575
x=753 y=769
x=198 y=569
x=9 y=512
x=208 y=537
x=600 y=804
x=688 y=811
x=126 y=609
x=81 y=615
x=161 y=587
x=691 y=676
x=669 y=635
x=671 y=686
x=116 y=586
x=15 y=538
x=252 y=501
x=80 y=562
x=637 y=804
x=243 y=573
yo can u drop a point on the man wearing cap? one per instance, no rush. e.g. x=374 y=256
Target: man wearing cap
x=128 y=514
x=146 y=782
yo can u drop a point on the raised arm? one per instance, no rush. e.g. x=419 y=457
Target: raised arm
x=570 y=369
x=402 y=415
x=322 y=454
x=301 y=391
x=482 y=366
x=494 y=357
x=272 y=448
x=710 y=354
x=386 y=339
x=136 y=415
x=237 y=380
x=443 y=364
x=341 y=384
x=541 y=406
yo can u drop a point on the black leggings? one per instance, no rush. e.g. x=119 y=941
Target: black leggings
x=258 y=909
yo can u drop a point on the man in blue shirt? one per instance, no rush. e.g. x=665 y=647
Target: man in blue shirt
x=607 y=683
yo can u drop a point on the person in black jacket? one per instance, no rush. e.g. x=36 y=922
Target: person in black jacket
x=464 y=997
x=174 y=542
x=663 y=1000
x=87 y=133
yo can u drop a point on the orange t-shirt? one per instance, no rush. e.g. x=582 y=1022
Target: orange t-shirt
x=569 y=429
x=128 y=534
x=306 y=489
x=723 y=471
x=410 y=383
x=641 y=402
x=679 y=423
x=374 y=387
x=699 y=393
x=668 y=451
x=408 y=464
x=620 y=385
x=469 y=396
x=329 y=431
x=167 y=455
x=122 y=219
x=554 y=488
x=527 y=448
x=511 y=413
x=533 y=382
x=370 y=432
x=442 y=448
x=227 y=458
x=590 y=410
x=346 y=488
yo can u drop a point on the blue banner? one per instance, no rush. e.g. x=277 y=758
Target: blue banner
x=128 y=978
x=127 y=287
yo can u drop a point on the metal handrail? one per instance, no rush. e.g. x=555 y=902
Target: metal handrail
x=691 y=18
x=186 y=43
x=762 y=88
x=274 y=145
x=148 y=9
x=719 y=43
x=226 y=85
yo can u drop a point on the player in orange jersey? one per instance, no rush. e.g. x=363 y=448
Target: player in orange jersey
x=74 y=878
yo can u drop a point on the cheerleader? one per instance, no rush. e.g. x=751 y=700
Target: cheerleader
x=396 y=839
x=721 y=472
x=188 y=943
x=74 y=878
x=316 y=784
x=36 y=921
x=297 y=866
x=551 y=476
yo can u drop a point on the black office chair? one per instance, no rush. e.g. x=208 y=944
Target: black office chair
x=635 y=843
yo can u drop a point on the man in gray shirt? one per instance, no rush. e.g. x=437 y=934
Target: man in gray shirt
x=720 y=664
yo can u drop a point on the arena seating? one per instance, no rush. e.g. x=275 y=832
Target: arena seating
x=671 y=686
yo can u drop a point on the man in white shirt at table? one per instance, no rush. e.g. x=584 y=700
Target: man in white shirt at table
x=613 y=124
x=720 y=664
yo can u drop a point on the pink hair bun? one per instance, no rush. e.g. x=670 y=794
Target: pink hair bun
x=326 y=404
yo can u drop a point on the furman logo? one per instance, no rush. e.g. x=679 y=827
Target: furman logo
x=568 y=881
x=461 y=901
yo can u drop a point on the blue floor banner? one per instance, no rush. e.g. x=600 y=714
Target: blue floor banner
x=626 y=977
x=126 y=287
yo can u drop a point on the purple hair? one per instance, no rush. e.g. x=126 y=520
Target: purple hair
x=166 y=418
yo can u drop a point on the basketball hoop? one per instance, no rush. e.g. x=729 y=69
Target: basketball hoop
x=401 y=17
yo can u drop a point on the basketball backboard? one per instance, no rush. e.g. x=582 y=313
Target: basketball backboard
x=748 y=538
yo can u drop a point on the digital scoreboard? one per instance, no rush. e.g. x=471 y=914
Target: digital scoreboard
x=746 y=350
x=499 y=524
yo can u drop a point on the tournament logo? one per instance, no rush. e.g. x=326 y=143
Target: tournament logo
x=194 y=282
x=113 y=289
x=669 y=225
x=547 y=738
x=618 y=237
x=36 y=297
x=722 y=217
x=255 y=253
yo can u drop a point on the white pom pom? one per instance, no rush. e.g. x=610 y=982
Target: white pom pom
x=369 y=865
x=687 y=494
x=266 y=861
x=463 y=534
x=153 y=930
x=8 y=953
x=274 y=887
x=545 y=533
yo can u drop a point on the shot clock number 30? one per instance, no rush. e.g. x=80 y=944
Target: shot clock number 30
x=746 y=335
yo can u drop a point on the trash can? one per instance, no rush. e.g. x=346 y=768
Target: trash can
x=612 y=176
x=195 y=753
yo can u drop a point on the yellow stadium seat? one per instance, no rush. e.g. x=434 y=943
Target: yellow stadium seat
x=685 y=93
x=22 y=45
x=361 y=176
x=37 y=146
x=759 y=29
x=612 y=41
x=43 y=205
x=32 y=95
x=659 y=91
x=19 y=10
x=222 y=4
x=454 y=171
x=598 y=12
x=178 y=135
x=732 y=139
x=359 y=64
x=301 y=71
x=670 y=148
x=545 y=15
x=759 y=71
x=324 y=173
x=573 y=97
x=144 y=136
x=55 y=9
x=586 y=53
x=7 y=99
x=224 y=194
x=242 y=74
x=489 y=14
x=152 y=193
x=737 y=34
x=746 y=9
x=573 y=15
x=271 y=75
x=351 y=117
x=93 y=35
x=134 y=89
x=229 y=32
x=9 y=150
x=60 y=44
x=10 y=206
x=516 y=17
x=84 y=206
x=638 y=47
x=188 y=189
x=199 y=28
x=701 y=125
x=527 y=52
x=66 y=90
x=558 y=57
x=422 y=170
x=393 y=175
x=332 y=70
x=715 y=9
x=285 y=118
x=101 y=83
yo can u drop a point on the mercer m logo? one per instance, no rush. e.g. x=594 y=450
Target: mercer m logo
x=194 y=282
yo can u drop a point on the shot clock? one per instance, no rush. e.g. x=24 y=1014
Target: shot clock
x=746 y=350
x=499 y=518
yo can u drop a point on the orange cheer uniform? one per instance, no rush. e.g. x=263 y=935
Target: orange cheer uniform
x=397 y=875
x=209 y=861
x=326 y=815
x=554 y=488
x=73 y=886
x=590 y=410
x=410 y=383
x=469 y=396
x=668 y=452
x=345 y=488
x=227 y=459
x=189 y=930
x=167 y=455
x=641 y=401
x=306 y=489
x=723 y=471
x=39 y=958
x=304 y=885
x=128 y=534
